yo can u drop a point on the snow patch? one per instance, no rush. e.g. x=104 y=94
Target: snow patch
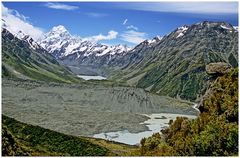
x=83 y=48
x=181 y=30
x=70 y=48
x=180 y=35
x=104 y=52
x=236 y=28
x=225 y=27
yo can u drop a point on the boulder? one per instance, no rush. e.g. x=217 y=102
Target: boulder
x=218 y=68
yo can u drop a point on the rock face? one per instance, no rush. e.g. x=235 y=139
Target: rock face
x=218 y=68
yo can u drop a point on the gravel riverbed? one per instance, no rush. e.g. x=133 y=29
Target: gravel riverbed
x=84 y=109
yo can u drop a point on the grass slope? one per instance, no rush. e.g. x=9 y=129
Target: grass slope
x=20 y=139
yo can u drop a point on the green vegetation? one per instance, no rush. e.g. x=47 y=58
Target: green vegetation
x=117 y=149
x=180 y=80
x=10 y=146
x=20 y=139
x=213 y=133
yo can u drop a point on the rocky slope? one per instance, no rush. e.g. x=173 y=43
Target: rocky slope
x=175 y=65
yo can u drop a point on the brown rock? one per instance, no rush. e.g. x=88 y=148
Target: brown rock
x=218 y=68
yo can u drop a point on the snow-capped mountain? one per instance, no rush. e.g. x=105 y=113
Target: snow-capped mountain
x=62 y=44
x=80 y=53
x=59 y=42
x=74 y=51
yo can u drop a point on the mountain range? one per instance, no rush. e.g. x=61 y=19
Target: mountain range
x=173 y=65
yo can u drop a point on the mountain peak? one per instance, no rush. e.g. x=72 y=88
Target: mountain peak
x=183 y=28
x=59 y=29
x=157 y=38
x=154 y=40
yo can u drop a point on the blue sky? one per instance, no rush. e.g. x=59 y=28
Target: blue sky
x=121 y=22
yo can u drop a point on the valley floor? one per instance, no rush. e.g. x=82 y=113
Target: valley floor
x=84 y=109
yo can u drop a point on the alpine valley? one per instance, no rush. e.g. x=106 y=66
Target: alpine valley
x=173 y=65
x=174 y=86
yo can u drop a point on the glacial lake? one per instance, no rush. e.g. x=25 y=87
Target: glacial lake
x=85 y=77
x=155 y=123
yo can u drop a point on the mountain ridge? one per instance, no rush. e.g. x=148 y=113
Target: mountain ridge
x=176 y=65
x=25 y=59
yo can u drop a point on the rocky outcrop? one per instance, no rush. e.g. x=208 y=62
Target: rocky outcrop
x=215 y=70
x=218 y=68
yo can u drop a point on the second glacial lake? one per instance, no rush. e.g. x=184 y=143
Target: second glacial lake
x=85 y=77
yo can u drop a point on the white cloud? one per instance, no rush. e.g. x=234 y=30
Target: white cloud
x=16 y=22
x=5 y=11
x=60 y=6
x=133 y=36
x=96 y=15
x=186 y=7
x=132 y=27
x=125 y=21
x=111 y=35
